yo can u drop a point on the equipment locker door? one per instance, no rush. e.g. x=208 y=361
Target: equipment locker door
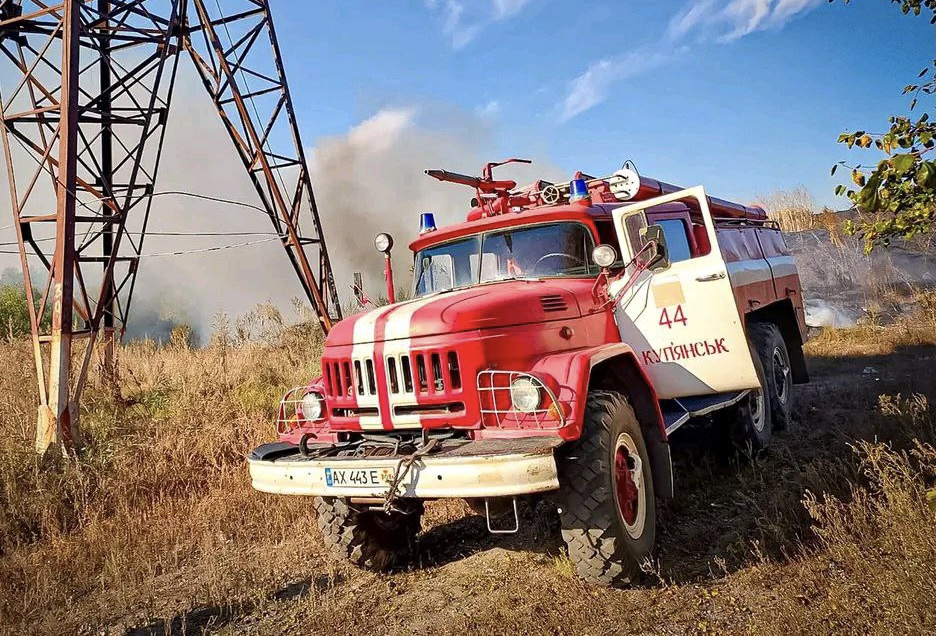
x=682 y=321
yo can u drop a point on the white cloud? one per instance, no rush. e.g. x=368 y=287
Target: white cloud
x=588 y=89
x=507 y=8
x=591 y=87
x=489 y=110
x=454 y=27
x=462 y=22
x=689 y=18
x=699 y=20
x=730 y=21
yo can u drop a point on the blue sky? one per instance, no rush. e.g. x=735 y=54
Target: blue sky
x=742 y=96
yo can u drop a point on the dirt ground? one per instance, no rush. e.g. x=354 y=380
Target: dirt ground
x=157 y=531
x=734 y=548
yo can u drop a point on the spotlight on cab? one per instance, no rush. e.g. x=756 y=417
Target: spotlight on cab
x=383 y=242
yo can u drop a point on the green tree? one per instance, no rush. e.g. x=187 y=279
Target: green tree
x=898 y=195
x=14 y=314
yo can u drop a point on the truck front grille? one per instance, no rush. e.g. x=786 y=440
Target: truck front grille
x=419 y=373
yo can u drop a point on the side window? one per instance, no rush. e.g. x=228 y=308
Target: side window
x=607 y=235
x=677 y=241
x=634 y=226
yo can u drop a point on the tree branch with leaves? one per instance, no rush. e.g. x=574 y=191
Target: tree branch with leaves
x=897 y=197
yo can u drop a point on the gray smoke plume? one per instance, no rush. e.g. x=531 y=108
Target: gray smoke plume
x=366 y=181
x=372 y=180
x=842 y=284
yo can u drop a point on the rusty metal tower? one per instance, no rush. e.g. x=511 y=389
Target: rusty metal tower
x=85 y=93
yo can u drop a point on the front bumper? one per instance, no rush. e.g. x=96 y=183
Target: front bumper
x=460 y=468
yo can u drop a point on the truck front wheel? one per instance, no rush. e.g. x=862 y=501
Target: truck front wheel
x=607 y=509
x=370 y=539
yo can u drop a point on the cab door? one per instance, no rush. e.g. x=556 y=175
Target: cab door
x=682 y=321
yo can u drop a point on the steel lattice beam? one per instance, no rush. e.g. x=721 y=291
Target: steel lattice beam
x=83 y=120
x=238 y=58
x=82 y=128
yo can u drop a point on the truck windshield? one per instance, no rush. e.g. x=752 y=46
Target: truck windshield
x=555 y=249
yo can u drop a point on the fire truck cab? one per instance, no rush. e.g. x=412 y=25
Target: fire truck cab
x=554 y=342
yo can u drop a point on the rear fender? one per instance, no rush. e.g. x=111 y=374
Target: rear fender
x=783 y=314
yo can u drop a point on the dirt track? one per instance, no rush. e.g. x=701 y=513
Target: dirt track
x=730 y=547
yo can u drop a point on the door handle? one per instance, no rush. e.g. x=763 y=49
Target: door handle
x=711 y=277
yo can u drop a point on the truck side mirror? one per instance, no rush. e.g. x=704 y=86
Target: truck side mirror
x=656 y=257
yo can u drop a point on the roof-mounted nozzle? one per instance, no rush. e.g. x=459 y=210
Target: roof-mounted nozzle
x=487 y=190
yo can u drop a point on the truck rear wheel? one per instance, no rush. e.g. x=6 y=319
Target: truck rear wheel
x=370 y=539
x=607 y=509
x=772 y=350
x=747 y=424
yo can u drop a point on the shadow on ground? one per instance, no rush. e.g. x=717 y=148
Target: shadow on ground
x=209 y=618
x=730 y=509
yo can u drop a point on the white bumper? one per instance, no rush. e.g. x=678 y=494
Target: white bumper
x=531 y=469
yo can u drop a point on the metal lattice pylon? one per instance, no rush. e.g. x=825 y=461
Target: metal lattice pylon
x=83 y=119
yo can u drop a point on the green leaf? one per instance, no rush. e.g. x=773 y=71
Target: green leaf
x=903 y=162
x=926 y=175
x=834 y=168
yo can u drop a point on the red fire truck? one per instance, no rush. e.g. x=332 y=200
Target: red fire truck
x=554 y=342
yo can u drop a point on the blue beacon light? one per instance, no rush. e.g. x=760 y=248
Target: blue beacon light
x=578 y=190
x=427 y=222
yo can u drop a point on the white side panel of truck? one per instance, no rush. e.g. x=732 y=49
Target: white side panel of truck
x=683 y=321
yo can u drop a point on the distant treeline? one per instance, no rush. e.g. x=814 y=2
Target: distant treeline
x=14 y=311
x=151 y=320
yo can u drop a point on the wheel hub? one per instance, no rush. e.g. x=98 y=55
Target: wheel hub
x=629 y=485
x=758 y=410
x=781 y=372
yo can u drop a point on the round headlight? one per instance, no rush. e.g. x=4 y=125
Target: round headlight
x=604 y=256
x=525 y=395
x=311 y=407
x=383 y=242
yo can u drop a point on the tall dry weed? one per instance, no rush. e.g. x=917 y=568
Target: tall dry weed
x=161 y=482
x=879 y=547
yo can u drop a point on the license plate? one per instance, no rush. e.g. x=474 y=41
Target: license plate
x=357 y=477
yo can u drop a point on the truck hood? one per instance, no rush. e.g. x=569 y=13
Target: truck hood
x=501 y=304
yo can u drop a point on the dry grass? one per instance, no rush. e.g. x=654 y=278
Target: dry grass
x=156 y=526
x=795 y=210
x=161 y=484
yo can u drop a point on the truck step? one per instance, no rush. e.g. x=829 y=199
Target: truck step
x=677 y=411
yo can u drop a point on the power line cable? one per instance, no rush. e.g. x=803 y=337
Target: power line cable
x=210 y=198
x=216 y=248
x=94 y=211
x=269 y=234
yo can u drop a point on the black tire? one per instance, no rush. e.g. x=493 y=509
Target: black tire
x=747 y=425
x=370 y=539
x=772 y=350
x=603 y=546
